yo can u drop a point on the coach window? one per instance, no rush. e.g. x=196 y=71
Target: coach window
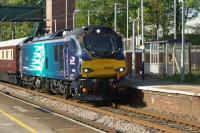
x=11 y=53
x=3 y=54
x=6 y=54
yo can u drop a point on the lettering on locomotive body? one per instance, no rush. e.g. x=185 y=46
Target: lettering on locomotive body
x=72 y=60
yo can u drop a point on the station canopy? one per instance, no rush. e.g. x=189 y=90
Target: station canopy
x=20 y=14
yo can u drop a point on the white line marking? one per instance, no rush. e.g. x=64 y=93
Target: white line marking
x=6 y=124
x=55 y=113
x=153 y=88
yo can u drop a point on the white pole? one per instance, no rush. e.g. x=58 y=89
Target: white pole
x=115 y=17
x=174 y=19
x=88 y=17
x=73 y=20
x=66 y=19
x=138 y=28
x=173 y=59
x=133 y=54
x=127 y=6
x=142 y=25
x=183 y=41
x=55 y=25
x=157 y=34
x=166 y=58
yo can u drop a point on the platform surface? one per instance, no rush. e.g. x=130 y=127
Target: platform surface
x=164 y=86
x=19 y=117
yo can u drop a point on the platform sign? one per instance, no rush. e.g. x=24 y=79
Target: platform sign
x=71 y=64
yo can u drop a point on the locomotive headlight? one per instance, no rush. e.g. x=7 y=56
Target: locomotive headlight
x=87 y=70
x=121 y=69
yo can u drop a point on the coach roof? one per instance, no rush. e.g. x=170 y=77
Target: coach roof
x=12 y=42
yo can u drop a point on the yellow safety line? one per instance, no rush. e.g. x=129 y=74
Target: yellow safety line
x=18 y=122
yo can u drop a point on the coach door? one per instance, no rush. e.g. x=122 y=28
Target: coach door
x=71 y=60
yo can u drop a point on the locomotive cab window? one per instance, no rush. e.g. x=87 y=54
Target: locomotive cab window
x=58 y=55
x=102 y=46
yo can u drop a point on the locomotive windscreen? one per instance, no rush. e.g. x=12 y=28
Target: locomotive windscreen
x=103 y=46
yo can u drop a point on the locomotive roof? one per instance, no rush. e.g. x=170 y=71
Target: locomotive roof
x=94 y=30
x=13 y=42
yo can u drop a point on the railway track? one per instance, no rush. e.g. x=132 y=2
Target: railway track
x=156 y=121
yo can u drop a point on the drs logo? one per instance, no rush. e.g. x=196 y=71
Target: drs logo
x=72 y=64
x=72 y=60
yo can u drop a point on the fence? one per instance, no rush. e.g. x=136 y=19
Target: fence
x=195 y=59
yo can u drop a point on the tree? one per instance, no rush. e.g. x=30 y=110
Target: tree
x=157 y=14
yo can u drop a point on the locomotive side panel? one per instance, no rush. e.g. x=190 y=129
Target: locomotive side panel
x=43 y=59
x=33 y=59
x=54 y=64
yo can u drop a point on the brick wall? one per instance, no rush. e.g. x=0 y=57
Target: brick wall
x=56 y=12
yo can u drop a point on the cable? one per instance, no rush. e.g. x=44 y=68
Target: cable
x=5 y=9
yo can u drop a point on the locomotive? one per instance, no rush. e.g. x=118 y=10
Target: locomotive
x=86 y=63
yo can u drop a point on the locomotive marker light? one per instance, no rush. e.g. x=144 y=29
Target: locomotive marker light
x=121 y=69
x=87 y=70
x=98 y=31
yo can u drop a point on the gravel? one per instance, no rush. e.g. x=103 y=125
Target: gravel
x=174 y=115
x=115 y=123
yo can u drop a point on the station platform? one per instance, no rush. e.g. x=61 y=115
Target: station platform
x=178 y=98
x=17 y=116
x=164 y=86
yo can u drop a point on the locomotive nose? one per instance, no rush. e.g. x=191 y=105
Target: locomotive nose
x=103 y=68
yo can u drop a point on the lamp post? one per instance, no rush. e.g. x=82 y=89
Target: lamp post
x=183 y=42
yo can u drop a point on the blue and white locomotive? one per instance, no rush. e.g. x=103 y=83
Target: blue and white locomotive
x=86 y=63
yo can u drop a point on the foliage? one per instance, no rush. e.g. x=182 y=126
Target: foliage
x=8 y=31
x=24 y=2
x=158 y=14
